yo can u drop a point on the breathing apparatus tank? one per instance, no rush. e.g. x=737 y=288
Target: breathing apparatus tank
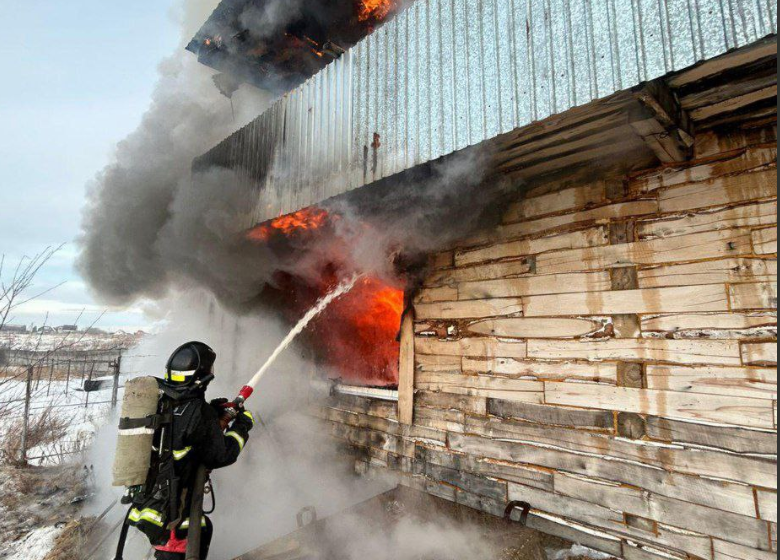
x=136 y=432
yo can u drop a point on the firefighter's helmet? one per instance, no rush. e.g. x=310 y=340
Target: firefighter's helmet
x=190 y=361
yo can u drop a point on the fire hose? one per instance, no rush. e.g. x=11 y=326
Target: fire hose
x=196 y=514
x=247 y=390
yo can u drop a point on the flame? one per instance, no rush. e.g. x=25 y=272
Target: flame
x=303 y=220
x=357 y=334
x=374 y=9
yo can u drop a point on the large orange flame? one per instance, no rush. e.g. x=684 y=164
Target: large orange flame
x=374 y=9
x=302 y=220
x=357 y=334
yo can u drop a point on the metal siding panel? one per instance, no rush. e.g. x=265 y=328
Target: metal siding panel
x=448 y=107
x=475 y=73
x=445 y=74
x=423 y=83
x=504 y=65
x=411 y=88
x=461 y=73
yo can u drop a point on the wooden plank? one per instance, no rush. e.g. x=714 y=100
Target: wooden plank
x=514 y=472
x=535 y=285
x=749 y=215
x=662 y=469
x=698 y=322
x=677 y=513
x=444 y=259
x=737 y=411
x=474 y=484
x=570 y=507
x=481 y=272
x=469 y=309
x=752 y=80
x=710 y=272
x=731 y=189
x=639 y=350
x=574 y=532
x=736 y=162
x=426 y=362
x=647 y=300
x=740 y=57
x=552 y=415
x=765 y=240
x=441 y=293
x=362 y=405
x=446 y=401
x=445 y=420
x=478 y=382
x=510 y=395
x=521 y=327
x=717 y=142
x=597 y=446
x=723 y=550
x=738 y=440
x=600 y=214
x=636 y=552
x=698 y=246
x=406 y=370
x=593 y=237
x=767 y=504
x=562 y=201
x=624 y=143
x=559 y=140
x=473 y=347
x=759 y=353
x=587 y=371
x=757 y=383
x=734 y=104
x=753 y=296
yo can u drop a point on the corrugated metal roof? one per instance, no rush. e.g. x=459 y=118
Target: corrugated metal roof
x=447 y=74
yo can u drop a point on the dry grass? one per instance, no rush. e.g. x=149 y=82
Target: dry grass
x=71 y=544
x=46 y=428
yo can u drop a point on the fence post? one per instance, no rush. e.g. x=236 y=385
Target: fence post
x=51 y=375
x=26 y=417
x=117 y=365
x=67 y=378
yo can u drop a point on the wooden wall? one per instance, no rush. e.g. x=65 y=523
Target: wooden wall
x=607 y=354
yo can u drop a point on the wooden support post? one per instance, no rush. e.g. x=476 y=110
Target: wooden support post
x=406 y=369
x=662 y=123
x=26 y=417
x=116 y=365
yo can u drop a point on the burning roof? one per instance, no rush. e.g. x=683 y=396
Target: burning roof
x=278 y=44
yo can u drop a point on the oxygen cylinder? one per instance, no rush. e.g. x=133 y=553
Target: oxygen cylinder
x=134 y=443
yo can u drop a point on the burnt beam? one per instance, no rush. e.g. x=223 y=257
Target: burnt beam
x=662 y=123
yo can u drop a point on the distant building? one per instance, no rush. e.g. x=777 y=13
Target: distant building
x=67 y=328
x=18 y=329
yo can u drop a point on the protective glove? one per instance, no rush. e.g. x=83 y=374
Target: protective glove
x=226 y=414
x=244 y=419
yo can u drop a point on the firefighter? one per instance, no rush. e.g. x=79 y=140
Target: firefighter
x=199 y=437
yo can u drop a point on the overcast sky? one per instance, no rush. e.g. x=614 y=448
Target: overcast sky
x=77 y=76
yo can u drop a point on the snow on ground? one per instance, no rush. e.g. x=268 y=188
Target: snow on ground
x=71 y=341
x=37 y=544
x=83 y=412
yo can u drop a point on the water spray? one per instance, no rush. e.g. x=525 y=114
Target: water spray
x=247 y=390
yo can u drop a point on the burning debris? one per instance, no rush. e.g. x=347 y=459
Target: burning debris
x=278 y=44
x=376 y=10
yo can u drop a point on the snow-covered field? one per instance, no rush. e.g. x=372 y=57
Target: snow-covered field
x=82 y=412
x=75 y=341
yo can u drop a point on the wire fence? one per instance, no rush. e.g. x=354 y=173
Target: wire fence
x=49 y=410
